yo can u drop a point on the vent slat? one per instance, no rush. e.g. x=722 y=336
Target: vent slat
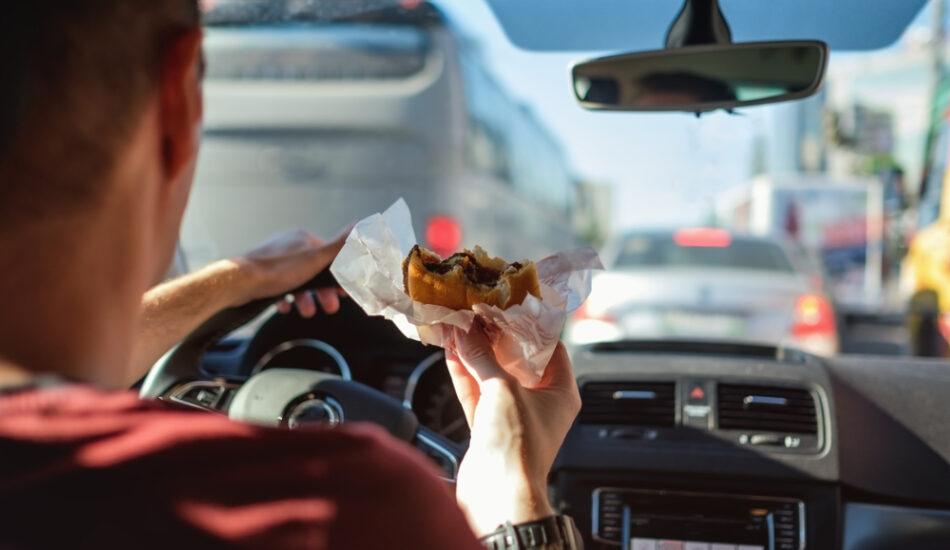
x=798 y=415
x=804 y=413
x=600 y=407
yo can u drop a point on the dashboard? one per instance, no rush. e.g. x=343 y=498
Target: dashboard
x=705 y=446
x=688 y=445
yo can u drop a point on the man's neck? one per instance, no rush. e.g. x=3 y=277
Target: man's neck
x=71 y=295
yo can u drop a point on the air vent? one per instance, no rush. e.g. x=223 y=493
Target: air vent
x=629 y=403
x=767 y=409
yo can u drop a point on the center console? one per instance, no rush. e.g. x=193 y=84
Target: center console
x=701 y=448
x=659 y=511
x=669 y=520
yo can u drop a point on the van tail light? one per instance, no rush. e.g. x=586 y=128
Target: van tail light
x=443 y=235
x=943 y=324
x=813 y=317
x=702 y=237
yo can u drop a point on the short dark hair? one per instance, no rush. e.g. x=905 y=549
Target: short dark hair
x=76 y=74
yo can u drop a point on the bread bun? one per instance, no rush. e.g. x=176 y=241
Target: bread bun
x=468 y=278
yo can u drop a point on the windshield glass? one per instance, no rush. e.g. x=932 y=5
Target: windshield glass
x=321 y=113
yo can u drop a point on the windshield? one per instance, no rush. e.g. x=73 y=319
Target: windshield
x=321 y=113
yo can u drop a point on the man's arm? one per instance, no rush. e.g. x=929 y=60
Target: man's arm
x=516 y=433
x=175 y=308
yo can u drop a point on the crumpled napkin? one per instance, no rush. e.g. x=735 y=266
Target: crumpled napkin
x=369 y=269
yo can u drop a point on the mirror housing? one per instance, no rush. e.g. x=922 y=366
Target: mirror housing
x=702 y=78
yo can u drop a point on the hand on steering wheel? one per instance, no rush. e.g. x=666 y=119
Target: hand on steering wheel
x=287 y=261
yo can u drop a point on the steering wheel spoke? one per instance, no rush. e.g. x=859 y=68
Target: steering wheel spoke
x=444 y=452
x=207 y=395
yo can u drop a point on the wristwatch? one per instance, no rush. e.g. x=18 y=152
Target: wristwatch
x=554 y=532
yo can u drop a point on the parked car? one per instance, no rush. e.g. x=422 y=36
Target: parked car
x=705 y=283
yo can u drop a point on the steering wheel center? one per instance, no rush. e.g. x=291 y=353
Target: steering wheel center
x=314 y=412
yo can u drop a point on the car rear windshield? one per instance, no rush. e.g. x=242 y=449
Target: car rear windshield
x=662 y=251
x=326 y=53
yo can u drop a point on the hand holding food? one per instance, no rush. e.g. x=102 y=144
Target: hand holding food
x=383 y=270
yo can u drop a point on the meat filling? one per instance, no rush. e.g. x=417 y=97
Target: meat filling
x=475 y=272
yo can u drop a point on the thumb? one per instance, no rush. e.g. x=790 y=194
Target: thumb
x=323 y=255
x=474 y=350
x=344 y=233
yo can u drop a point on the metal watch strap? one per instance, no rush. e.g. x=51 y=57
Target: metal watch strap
x=551 y=532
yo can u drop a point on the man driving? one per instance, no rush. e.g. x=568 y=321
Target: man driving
x=100 y=123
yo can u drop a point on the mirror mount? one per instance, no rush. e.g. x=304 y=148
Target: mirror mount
x=699 y=22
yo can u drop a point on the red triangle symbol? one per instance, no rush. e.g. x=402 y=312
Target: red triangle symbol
x=697 y=393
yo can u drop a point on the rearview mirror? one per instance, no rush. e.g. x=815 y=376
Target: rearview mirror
x=702 y=78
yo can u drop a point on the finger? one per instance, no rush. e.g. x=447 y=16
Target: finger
x=319 y=256
x=559 y=372
x=475 y=351
x=284 y=306
x=345 y=232
x=329 y=300
x=466 y=387
x=305 y=304
x=559 y=382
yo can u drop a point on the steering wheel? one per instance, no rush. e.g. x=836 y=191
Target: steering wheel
x=286 y=398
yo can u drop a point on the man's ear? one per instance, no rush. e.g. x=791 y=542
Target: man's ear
x=182 y=69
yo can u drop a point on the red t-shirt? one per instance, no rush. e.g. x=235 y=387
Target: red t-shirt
x=82 y=468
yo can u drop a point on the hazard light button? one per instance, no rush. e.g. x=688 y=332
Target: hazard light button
x=697 y=393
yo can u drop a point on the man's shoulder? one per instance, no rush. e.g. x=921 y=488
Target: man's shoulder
x=97 y=457
x=82 y=416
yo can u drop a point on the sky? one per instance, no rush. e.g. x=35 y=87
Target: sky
x=665 y=169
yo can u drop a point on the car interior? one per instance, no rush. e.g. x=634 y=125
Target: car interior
x=696 y=443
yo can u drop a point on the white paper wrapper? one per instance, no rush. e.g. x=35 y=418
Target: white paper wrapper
x=369 y=269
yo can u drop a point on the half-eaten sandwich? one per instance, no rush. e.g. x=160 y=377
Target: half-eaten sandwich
x=468 y=278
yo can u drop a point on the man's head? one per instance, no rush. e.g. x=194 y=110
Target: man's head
x=78 y=78
x=100 y=113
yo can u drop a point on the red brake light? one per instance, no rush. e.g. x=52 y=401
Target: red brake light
x=813 y=315
x=583 y=313
x=443 y=235
x=708 y=237
x=580 y=313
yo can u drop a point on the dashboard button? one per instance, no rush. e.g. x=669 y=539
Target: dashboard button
x=697 y=393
